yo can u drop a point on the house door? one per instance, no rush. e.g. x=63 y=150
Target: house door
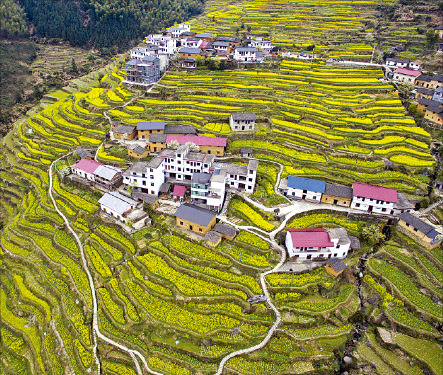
x=303 y=196
x=309 y=256
x=370 y=208
x=335 y=201
x=242 y=128
x=190 y=227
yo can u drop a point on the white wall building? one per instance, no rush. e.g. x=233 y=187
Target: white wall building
x=260 y=43
x=139 y=52
x=245 y=54
x=192 y=42
x=242 y=121
x=166 y=44
x=145 y=176
x=117 y=205
x=397 y=63
x=405 y=76
x=208 y=189
x=317 y=243
x=176 y=31
x=372 y=198
x=304 y=188
x=85 y=168
x=239 y=177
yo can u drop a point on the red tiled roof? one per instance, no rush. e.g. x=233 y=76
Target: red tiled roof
x=198 y=140
x=408 y=72
x=310 y=237
x=179 y=191
x=87 y=165
x=374 y=192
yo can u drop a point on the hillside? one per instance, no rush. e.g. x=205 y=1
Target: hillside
x=106 y=302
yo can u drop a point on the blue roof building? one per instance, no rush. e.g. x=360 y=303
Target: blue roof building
x=308 y=184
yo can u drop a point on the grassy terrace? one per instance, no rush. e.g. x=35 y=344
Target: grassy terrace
x=338 y=29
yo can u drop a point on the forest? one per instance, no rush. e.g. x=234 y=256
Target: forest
x=93 y=23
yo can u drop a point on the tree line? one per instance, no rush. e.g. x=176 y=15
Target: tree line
x=93 y=23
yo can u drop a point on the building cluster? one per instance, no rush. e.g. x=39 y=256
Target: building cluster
x=198 y=173
x=149 y=61
x=363 y=197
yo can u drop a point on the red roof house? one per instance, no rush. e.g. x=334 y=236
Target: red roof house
x=310 y=237
x=179 y=193
x=374 y=192
x=86 y=165
x=408 y=72
x=198 y=140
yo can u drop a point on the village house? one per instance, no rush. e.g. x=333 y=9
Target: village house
x=225 y=230
x=317 y=243
x=239 y=177
x=166 y=44
x=123 y=132
x=157 y=140
x=261 y=44
x=403 y=204
x=108 y=177
x=83 y=153
x=424 y=103
x=138 y=152
x=189 y=63
x=405 y=76
x=145 y=128
x=429 y=82
x=438 y=95
x=85 y=168
x=397 y=63
x=145 y=176
x=209 y=189
x=175 y=32
x=371 y=198
x=144 y=72
x=138 y=53
x=245 y=54
x=204 y=37
x=195 y=219
x=222 y=47
x=421 y=231
x=187 y=34
x=337 y=194
x=414 y=65
x=180 y=130
x=438 y=185
x=242 y=121
x=245 y=152
x=434 y=114
x=191 y=43
x=303 y=188
x=335 y=266
x=207 y=145
x=439 y=30
x=229 y=39
x=186 y=52
x=117 y=205
x=213 y=238
x=179 y=193
x=423 y=93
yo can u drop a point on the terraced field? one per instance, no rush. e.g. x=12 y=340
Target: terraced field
x=180 y=304
x=338 y=29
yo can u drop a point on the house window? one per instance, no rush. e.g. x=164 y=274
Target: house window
x=383 y=210
x=181 y=222
x=151 y=177
x=144 y=183
x=152 y=184
x=357 y=205
x=200 y=230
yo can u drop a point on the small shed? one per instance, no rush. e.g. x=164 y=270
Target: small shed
x=213 y=238
x=225 y=230
x=355 y=243
x=151 y=200
x=246 y=152
x=138 y=152
x=335 y=266
x=164 y=190
x=179 y=192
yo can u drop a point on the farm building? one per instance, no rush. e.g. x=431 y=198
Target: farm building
x=371 y=198
x=421 y=231
x=242 y=121
x=195 y=219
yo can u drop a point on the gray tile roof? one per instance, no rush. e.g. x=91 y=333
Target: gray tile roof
x=137 y=167
x=189 y=50
x=83 y=153
x=172 y=129
x=151 y=125
x=164 y=187
x=424 y=77
x=424 y=90
x=157 y=138
x=213 y=236
x=195 y=214
x=117 y=202
x=246 y=49
x=243 y=116
x=201 y=178
x=338 y=190
x=417 y=223
x=107 y=172
x=139 y=150
x=403 y=202
x=155 y=162
x=337 y=264
x=253 y=164
x=225 y=229
x=124 y=129
x=355 y=243
x=230 y=168
x=220 y=44
x=146 y=198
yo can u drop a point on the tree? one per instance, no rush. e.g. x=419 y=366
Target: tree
x=173 y=144
x=372 y=233
x=431 y=38
x=73 y=68
x=192 y=147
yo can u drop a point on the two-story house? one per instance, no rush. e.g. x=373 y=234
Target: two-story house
x=85 y=168
x=437 y=96
x=317 y=243
x=186 y=52
x=108 y=177
x=124 y=132
x=224 y=47
x=242 y=121
x=337 y=194
x=117 y=205
x=397 y=63
x=371 y=198
x=195 y=219
x=304 y=188
x=245 y=54
x=405 y=76
x=239 y=177
x=146 y=128
x=175 y=32
x=208 y=145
